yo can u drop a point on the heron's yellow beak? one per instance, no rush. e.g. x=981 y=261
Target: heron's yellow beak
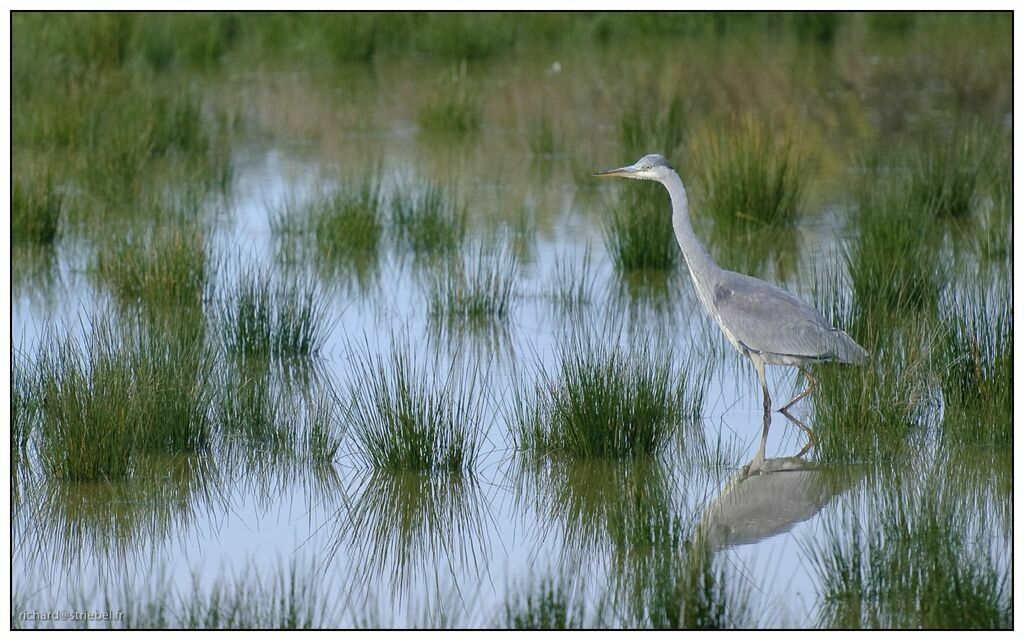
x=625 y=172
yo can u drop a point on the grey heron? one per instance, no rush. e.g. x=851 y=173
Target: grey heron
x=763 y=322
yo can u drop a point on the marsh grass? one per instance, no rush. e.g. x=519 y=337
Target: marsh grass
x=573 y=286
x=946 y=175
x=544 y=141
x=606 y=403
x=638 y=234
x=121 y=393
x=289 y=597
x=166 y=269
x=894 y=259
x=477 y=290
x=453 y=110
x=752 y=178
x=547 y=606
x=265 y=318
x=653 y=123
x=976 y=370
x=913 y=566
x=347 y=223
x=36 y=203
x=407 y=420
x=428 y=220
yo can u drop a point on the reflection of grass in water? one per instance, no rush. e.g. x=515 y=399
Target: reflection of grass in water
x=166 y=269
x=290 y=597
x=604 y=403
x=166 y=492
x=405 y=421
x=403 y=520
x=659 y=578
x=546 y=606
x=124 y=391
x=752 y=178
x=976 y=370
x=260 y=318
x=428 y=220
x=639 y=233
x=914 y=565
x=35 y=210
x=475 y=290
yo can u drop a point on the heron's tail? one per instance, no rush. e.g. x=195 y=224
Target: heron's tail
x=847 y=349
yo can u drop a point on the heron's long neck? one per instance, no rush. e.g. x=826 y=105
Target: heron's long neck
x=702 y=267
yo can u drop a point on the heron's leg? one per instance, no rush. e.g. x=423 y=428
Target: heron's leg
x=759 y=366
x=811 y=384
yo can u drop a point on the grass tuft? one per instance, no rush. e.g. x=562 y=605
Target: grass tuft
x=976 y=351
x=119 y=394
x=35 y=210
x=752 y=178
x=428 y=221
x=607 y=404
x=166 y=269
x=639 y=233
x=476 y=290
x=403 y=421
x=264 y=319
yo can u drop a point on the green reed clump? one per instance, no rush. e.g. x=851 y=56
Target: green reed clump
x=946 y=175
x=912 y=566
x=894 y=258
x=36 y=204
x=404 y=421
x=752 y=178
x=866 y=412
x=267 y=319
x=976 y=370
x=652 y=124
x=478 y=289
x=546 y=607
x=450 y=114
x=543 y=139
x=428 y=220
x=123 y=392
x=168 y=268
x=347 y=222
x=452 y=110
x=608 y=404
x=639 y=233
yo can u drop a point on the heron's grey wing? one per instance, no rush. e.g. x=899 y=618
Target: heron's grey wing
x=770 y=320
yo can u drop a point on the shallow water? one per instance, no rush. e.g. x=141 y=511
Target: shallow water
x=400 y=550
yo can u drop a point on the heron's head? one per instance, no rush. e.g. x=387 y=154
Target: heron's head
x=650 y=167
